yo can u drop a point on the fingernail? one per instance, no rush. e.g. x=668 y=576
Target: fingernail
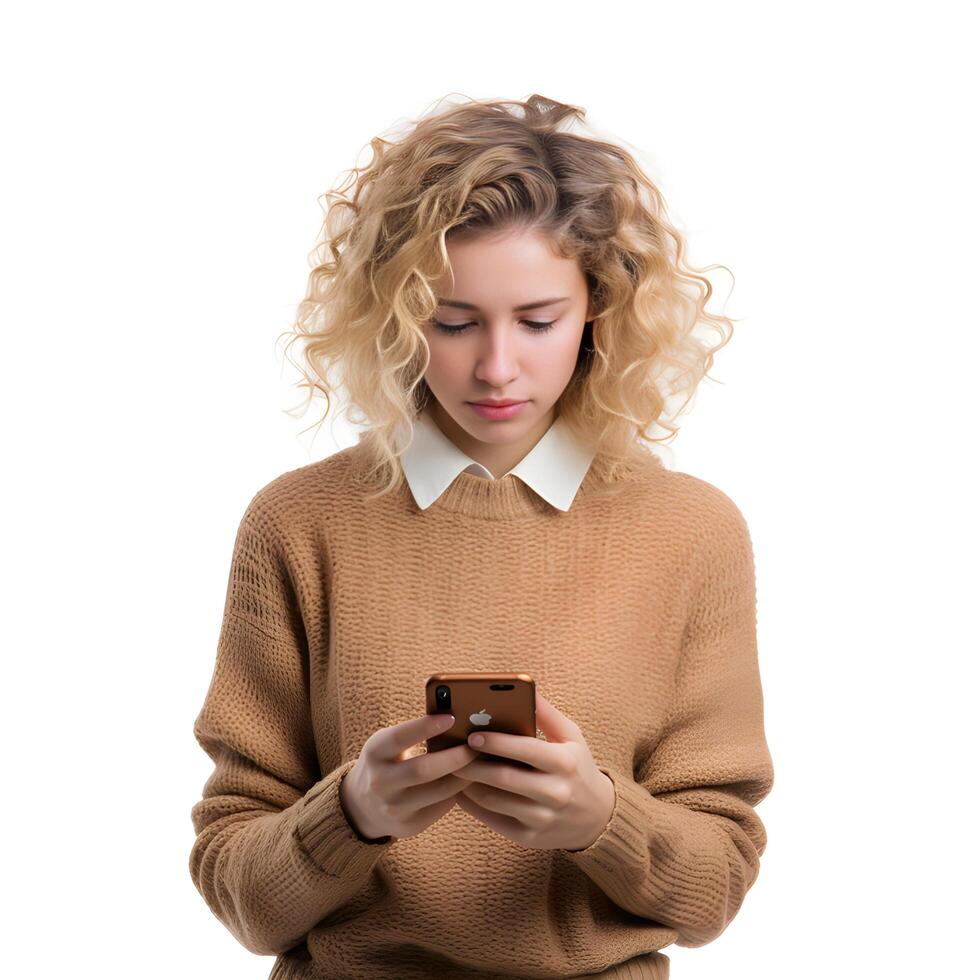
x=477 y=740
x=448 y=721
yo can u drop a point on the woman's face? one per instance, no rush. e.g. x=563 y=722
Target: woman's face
x=495 y=342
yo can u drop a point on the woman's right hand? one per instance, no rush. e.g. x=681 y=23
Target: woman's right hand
x=385 y=793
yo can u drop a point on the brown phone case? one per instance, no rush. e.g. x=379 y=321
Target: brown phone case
x=499 y=702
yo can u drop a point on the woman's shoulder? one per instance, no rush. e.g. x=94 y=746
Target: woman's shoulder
x=714 y=524
x=691 y=503
x=678 y=508
x=701 y=494
x=308 y=491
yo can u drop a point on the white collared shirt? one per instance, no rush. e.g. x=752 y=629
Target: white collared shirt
x=554 y=468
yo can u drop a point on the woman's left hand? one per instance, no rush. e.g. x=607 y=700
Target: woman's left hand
x=564 y=802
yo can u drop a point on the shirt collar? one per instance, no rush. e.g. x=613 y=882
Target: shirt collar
x=554 y=468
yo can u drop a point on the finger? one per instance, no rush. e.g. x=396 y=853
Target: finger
x=546 y=756
x=424 y=794
x=388 y=743
x=522 y=808
x=503 y=825
x=535 y=786
x=432 y=765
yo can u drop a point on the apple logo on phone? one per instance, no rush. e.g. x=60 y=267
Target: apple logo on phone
x=480 y=717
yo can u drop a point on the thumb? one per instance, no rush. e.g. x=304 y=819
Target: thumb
x=555 y=726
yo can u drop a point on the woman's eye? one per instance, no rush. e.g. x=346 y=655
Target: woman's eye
x=536 y=326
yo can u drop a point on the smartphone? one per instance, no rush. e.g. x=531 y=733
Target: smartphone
x=482 y=702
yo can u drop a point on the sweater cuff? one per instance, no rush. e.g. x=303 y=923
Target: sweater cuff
x=323 y=831
x=625 y=840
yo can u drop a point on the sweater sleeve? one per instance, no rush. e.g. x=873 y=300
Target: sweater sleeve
x=683 y=843
x=274 y=853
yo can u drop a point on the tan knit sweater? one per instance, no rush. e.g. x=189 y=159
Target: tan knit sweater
x=635 y=613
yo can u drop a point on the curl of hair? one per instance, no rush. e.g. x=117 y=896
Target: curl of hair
x=481 y=167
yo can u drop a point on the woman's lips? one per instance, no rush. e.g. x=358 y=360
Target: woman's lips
x=497 y=412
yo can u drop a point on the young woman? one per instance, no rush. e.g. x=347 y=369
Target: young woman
x=490 y=255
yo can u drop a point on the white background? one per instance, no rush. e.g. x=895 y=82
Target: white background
x=160 y=183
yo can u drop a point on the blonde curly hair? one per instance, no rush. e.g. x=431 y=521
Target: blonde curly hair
x=481 y=166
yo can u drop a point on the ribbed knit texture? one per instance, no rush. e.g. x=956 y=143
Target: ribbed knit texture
x=635 y=613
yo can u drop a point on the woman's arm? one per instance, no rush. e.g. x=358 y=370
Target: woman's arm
x=683 y=844
x=274 y=852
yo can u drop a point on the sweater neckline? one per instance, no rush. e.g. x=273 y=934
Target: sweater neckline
x=509 y=498
x=505 y=498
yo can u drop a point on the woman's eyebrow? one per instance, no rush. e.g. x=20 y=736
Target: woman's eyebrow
x=524 y=306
